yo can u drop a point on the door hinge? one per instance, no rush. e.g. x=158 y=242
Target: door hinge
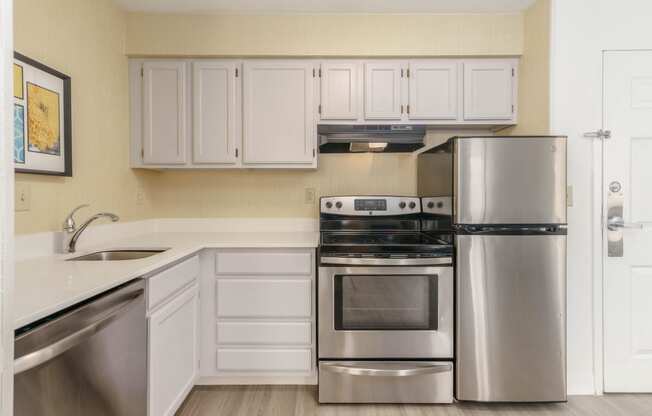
x=142 y=72
x=513 y=72
x=319 y=108
x=600 y=134
x=313 y=153
x=408 y=109
x=236 y=72
x=512 y=108
x=142 y=153
x=401 y=72
x=319 y=72
x=314 y=71
x=401 y=108
x=236 y=152
x=408 y=72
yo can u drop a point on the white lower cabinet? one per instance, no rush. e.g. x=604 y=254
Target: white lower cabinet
x=261 y=328
x=173 y=344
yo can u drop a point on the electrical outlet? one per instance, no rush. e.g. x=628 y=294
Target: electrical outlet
x=140 y=196
x=22 y=197
x=309 y=197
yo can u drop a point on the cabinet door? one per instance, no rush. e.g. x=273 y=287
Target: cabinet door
x=382 y=90
x=433 y=90
x=164 y=112
x=279 y=112
x=339 y=90
x=489 y=90
x=215 y=112
x=173 y=352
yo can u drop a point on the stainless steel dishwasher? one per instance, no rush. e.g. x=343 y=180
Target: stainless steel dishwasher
x=88 y=360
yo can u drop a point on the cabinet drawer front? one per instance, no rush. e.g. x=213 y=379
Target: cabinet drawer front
x=269 y=333
x=166 y=283
x=255 y=298
x=256 y=262
x=291 y=360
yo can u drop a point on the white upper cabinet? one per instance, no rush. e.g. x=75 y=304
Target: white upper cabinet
x=433 y=89
x=340 y=90
x=279 y=114
x=382 y=90
x=215 y=112
x=489 y=90
x=164 y=112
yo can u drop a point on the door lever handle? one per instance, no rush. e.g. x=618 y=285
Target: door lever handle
x=614 y=223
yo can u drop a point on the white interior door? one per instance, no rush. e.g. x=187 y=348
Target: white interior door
x=628 y=206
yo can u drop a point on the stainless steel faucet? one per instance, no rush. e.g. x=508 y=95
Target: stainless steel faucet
x=73 y=233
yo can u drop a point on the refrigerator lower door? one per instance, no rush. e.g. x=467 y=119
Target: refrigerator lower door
x=511 y=318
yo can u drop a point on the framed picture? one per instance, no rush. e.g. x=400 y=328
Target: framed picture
x=42 y=119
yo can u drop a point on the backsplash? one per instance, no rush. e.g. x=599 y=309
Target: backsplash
x=274 y=193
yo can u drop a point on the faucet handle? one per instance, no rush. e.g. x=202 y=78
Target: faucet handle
x=69 y=223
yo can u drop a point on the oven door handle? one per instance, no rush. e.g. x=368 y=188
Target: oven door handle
x=357 y=370
x=358 y=261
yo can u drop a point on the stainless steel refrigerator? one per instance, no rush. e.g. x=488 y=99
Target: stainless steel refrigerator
x=509 y=219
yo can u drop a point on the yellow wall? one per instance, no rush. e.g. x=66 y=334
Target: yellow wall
x=86 y=40
x=281 y=193
x=534 y=72
x=324 y=35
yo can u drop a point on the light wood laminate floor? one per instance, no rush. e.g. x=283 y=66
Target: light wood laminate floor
x=302 y=400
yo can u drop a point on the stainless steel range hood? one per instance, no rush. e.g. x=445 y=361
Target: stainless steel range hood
x=370 y=138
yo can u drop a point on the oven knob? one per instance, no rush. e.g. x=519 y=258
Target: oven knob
x=338 y=204
x=412 y=205
x=401 y=205
x=329 y=205
x=431 y=204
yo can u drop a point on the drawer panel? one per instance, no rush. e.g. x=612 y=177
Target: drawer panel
x=385 y=382
x=169 y=281
x=263 y=298
x=290 y=360
x=269 y=333
x=264 y=262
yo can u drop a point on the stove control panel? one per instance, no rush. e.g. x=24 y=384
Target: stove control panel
x=439 y=205
x=365 y=206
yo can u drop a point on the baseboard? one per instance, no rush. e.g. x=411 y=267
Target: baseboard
x=256 y=380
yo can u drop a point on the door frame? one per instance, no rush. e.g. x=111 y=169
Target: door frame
x=6 y=208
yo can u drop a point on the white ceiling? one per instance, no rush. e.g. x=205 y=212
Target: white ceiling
x=325 y=6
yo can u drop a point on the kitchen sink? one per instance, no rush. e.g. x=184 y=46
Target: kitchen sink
x=113 y=255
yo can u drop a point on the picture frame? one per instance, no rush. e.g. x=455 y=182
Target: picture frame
x=43 y=108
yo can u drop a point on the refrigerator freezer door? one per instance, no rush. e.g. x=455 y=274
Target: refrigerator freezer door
x=510 y=180
x=511 y=318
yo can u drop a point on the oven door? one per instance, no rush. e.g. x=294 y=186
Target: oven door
x=377 y=311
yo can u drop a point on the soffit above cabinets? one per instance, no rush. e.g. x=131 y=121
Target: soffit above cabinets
x=331 y=6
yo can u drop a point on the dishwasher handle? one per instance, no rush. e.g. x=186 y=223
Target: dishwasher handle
x=43 y=355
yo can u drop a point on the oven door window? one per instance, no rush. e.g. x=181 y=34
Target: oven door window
x=385 y=302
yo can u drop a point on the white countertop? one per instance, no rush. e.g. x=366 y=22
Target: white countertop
x=46 y=285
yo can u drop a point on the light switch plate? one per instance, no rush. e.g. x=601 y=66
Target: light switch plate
x=309 y=197
x=22 y=197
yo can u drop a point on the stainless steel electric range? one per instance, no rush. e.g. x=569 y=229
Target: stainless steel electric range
x=385 y=313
